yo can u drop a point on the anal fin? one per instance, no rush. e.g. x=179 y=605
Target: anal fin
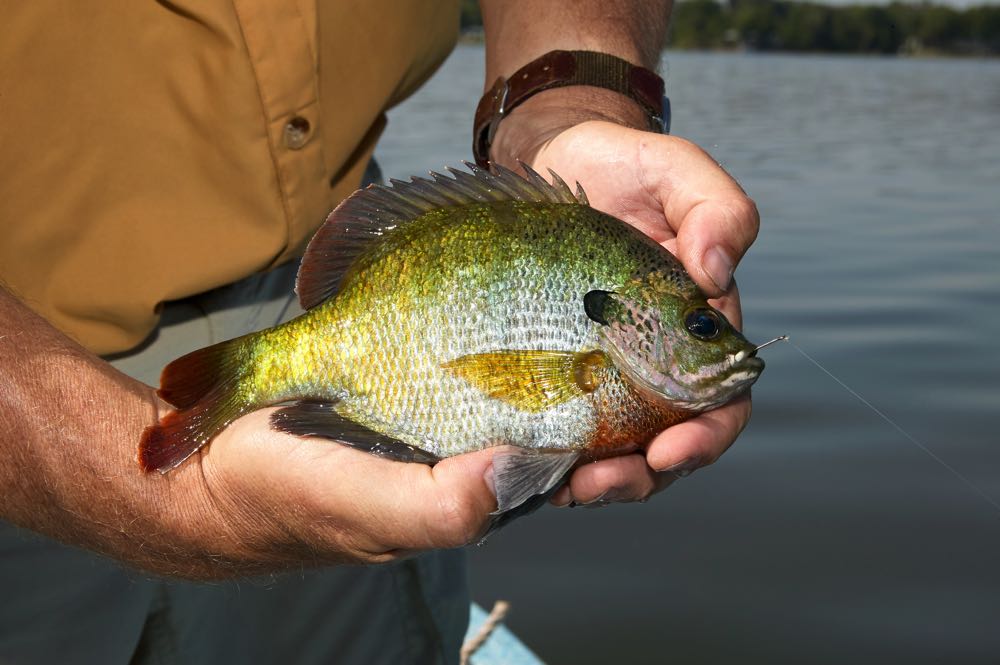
x=321 y=419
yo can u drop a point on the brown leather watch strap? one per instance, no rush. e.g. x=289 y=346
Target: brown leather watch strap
x=558 y=69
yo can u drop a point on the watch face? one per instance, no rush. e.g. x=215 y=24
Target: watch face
x=665 y=115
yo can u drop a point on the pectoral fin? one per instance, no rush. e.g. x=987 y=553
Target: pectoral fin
x=525 y=479
x=521 y=474
x=321 y=419
x=531 y=380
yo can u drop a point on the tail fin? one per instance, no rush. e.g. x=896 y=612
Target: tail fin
x=204 y=386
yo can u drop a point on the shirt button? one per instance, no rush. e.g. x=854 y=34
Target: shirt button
x=296 y=132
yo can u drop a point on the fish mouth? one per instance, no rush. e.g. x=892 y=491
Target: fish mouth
x=707 y=387
x=716 y=385
x=744 y=369
x=731 y=378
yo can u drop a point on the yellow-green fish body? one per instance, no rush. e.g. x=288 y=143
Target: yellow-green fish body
x=448 y=316
x=505 y=276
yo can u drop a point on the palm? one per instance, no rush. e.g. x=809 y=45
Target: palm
x=290 y=499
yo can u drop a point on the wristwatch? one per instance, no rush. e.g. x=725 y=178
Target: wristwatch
x=558 y=69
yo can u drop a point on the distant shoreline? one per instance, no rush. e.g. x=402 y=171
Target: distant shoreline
x=782 y=26
x=476 y=39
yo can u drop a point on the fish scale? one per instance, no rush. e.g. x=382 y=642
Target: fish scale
x=527 y=308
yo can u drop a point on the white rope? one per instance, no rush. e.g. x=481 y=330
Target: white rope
x=494 y=619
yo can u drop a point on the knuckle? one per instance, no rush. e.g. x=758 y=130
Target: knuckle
x=458 y=521
x=745 y=420
x=615 y=476
x=745 y=210
x=347 y=545
x=375 y=558
x=712 y=456
x=646 y=492
x=686 y=144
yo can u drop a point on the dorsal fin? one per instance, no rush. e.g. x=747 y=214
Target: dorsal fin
x=370 y=213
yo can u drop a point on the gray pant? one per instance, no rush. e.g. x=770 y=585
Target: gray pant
x=63 y=605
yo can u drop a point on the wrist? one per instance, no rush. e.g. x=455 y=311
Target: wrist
x=577 y=85
x=548 y=113
x=69 y=431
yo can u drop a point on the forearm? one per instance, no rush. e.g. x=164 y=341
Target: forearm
x=519 y=31
x=69 y=427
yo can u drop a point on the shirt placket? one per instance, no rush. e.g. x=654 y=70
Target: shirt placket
x=278 y=44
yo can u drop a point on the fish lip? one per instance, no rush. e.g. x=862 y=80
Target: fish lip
x=746 y=357
x=741 y=375
x=743 y=355
x=752 y=364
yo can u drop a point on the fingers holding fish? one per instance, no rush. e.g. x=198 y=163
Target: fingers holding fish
x=729 y=304
x=623 y=479
x=712 y=237
x=619 y=479
x=340 y=504
x=667 y=187
x=711 y=219
x=700 y=441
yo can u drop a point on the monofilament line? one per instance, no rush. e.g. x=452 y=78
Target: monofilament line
x=958 y=474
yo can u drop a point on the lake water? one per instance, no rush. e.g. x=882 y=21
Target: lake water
x=823 y=535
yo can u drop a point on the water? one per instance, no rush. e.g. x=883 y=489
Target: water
x=823 y=536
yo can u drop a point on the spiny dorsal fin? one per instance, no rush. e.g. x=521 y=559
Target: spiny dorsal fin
x=370 y=213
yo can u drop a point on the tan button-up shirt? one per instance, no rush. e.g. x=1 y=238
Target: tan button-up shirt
x=154 y=150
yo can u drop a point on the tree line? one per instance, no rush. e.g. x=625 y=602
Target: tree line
x=781 y=25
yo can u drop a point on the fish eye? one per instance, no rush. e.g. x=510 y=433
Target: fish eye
x=704 y=323
x=594 y=303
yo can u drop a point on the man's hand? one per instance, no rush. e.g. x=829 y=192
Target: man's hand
x=291 y=499
x=667 y=187
x=676 y=193
x=253 y=501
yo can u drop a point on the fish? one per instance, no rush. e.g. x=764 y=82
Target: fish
x=455 y=313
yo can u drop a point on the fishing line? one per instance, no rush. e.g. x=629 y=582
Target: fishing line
x=958 y=474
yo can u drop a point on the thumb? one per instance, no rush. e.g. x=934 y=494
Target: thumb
x=712 y=238
x=447 y=505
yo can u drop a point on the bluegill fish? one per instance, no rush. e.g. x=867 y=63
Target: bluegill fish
x=453 y=314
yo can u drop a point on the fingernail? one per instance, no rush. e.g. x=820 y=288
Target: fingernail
x=568 y=504
x=491 y=480
x=604 y=499
x=719 y=267
x=596 y=499
x=684 y=468
x=611 y=495
x=664 y=482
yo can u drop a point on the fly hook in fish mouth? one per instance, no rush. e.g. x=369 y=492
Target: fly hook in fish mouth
x=783 y=338
x=737 y=357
